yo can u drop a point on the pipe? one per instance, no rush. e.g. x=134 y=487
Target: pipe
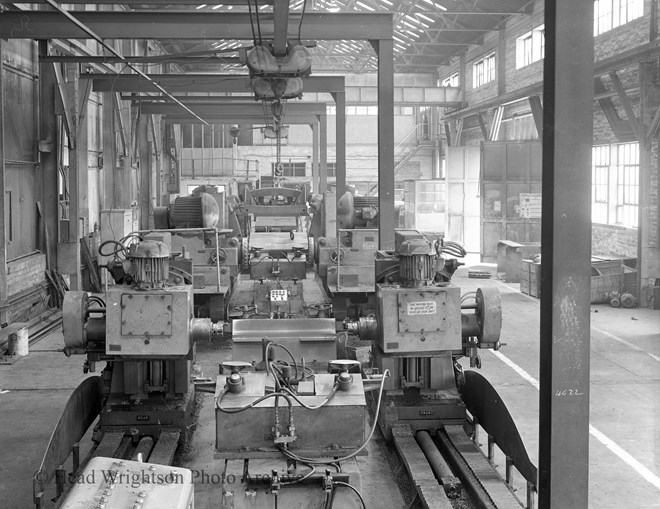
x=143 y=449
x=435 y=459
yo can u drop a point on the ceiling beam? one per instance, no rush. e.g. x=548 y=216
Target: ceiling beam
x=252 y=109
x=141 y=3
x=210 y=58
x=218 y=83
x=238 y=119
x=193 y=25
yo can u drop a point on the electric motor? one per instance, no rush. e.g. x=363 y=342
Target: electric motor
x=200 y=211
x=416 y=262
x=149 y=264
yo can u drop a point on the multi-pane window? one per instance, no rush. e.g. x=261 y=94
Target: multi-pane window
x=331 y=169
x=530 y=47
x=627 y=184
x=354 y=110
x=483 y=71
x=600 y=177
x=451 y=81
x=609 y=14
x=291 y=168
x=615 y=184
x=213 y=136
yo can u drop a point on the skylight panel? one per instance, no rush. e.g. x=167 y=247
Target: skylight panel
x=364 y=6
x=436 y=5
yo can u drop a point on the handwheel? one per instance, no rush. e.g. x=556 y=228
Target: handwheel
x=220 y=254
x=489 y=314
x=335 y=254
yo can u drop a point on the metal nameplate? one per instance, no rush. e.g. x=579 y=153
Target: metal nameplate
x=422 y=307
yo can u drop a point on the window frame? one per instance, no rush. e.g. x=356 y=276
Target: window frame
x=615 y=184
x=530 y=47
x=483 y=70
x=450 y=81
x=611 y=14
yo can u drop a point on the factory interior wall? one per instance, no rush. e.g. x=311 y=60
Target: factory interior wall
x=607 y=240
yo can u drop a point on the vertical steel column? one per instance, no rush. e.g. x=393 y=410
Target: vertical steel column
x=323 y=167
x=47 y=180
x=340 y=143
x=385 y=50
x=649 y=100
x=3 y=219
x=145 y=170
x=69 y=255
x=566 y=251
x=315 y=157
x=109 y=151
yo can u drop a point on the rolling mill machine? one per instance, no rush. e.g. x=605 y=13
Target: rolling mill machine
x=290 y=434
x=346 y=240
x=421 y=327
x=145 y=330
x=291 y=415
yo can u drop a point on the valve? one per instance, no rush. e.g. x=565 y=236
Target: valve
x=327 y=482
x=275 y=484
x=235 y=381
x=344 y=379
x=320 y=310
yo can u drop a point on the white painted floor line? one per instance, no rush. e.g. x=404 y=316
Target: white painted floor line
x=533 y=381
x=593 y=431
x=624 y=342
x=594 y=328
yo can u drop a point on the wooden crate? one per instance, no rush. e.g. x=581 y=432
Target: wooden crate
x=530 y=278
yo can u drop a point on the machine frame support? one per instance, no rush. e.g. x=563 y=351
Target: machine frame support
x=340 y=155
x=323 y=152
x=315 y=156
x=566 y=251
x=3 y=233
x=385 y=51
x=48 y=190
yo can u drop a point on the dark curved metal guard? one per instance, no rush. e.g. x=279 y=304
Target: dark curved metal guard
x=486 y=405
x=81 y=410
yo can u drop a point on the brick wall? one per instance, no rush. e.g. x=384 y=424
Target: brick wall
x=25 y=272
x=624 y=37
x=613 y=241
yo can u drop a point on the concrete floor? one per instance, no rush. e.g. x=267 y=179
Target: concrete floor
x=625 y=407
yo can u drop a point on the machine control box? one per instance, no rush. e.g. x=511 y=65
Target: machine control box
x=418 y=320
x=149 y=322
x=339 y=424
